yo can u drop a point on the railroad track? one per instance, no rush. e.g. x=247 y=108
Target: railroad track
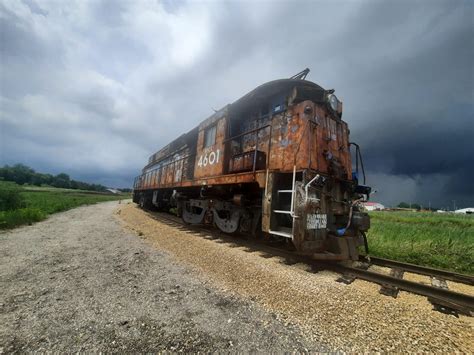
x=438 y=293
x=443 y=299
x=420 y=270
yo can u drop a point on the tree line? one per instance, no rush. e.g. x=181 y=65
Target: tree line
x=416 y=206
x=22 y=174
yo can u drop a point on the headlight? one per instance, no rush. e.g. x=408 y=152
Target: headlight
x=333 y=101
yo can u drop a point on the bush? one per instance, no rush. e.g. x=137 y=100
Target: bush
x=10 y=197
x=13 y=218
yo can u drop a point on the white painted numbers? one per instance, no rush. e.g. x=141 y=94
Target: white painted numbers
x=209 y=158
x=316 y=221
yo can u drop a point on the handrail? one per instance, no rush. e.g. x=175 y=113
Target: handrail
x=245 y=133
x=255 y=154
x=358 y=156
x=292 y=203
x=307 y=186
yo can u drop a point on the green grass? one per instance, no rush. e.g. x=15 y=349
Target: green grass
x=432 y=239
x=39 y=203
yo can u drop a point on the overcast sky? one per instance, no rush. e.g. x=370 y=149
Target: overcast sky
x=92 y=88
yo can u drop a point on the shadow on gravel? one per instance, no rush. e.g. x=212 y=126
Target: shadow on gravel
x=265 y=248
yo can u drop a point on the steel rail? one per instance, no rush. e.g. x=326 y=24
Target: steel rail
x=458 y=301
x=462 y=303
x=421 y=270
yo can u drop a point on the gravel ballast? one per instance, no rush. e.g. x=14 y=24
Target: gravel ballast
x=80 y=282
x=351 y=317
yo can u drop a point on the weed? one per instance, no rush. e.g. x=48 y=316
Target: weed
x=10 y=196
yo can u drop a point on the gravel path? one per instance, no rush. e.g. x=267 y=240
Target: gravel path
x=343 y=317
x=80 y=282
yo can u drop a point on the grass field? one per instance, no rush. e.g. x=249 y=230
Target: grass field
x=37 y=203
x=432 y=239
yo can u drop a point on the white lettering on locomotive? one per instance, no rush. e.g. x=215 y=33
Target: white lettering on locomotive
x=316 y=221
x=209 y=158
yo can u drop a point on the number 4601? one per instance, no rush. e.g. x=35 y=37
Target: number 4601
x=211 y=158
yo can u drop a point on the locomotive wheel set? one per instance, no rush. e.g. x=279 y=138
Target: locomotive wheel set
x=275 y=162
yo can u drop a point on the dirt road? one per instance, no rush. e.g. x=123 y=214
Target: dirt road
x=79 y=282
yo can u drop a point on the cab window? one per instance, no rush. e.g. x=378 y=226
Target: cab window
x=210 y=136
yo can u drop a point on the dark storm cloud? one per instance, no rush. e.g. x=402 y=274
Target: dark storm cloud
x=424 y=151
x=95 y=87
x=442 y=145
x=419 y=123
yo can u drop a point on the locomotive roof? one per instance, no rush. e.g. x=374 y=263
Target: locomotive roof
x=275 y=87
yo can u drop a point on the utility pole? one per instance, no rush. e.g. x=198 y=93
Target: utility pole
x=454 y=205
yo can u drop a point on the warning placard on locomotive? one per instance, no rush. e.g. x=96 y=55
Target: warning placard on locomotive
x=316 y=221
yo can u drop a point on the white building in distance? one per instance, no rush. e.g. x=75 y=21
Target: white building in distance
x=468 y=210
x=373 y=206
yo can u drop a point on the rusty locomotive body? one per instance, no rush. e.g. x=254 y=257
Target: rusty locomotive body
x=276 y=162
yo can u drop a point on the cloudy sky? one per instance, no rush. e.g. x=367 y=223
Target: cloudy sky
x=92 y=88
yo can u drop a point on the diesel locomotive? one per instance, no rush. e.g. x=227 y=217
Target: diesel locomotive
x=275 y=163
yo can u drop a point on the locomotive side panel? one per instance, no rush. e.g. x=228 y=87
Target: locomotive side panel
x=210 y=148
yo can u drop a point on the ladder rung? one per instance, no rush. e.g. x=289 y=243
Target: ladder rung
x=282 y=211
x=285 y=191
x=282 y=234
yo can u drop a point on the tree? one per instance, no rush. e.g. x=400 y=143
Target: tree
x=39 y=179
x=22 y=174
x=74 y=184
x=61 y=180
x=403 y=205
x=19 y=173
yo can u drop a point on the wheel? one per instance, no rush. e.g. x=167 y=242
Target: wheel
x=145 y=203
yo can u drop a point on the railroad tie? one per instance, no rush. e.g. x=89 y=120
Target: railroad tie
x=346 y=279
x=437 y=305
x=390 y=290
